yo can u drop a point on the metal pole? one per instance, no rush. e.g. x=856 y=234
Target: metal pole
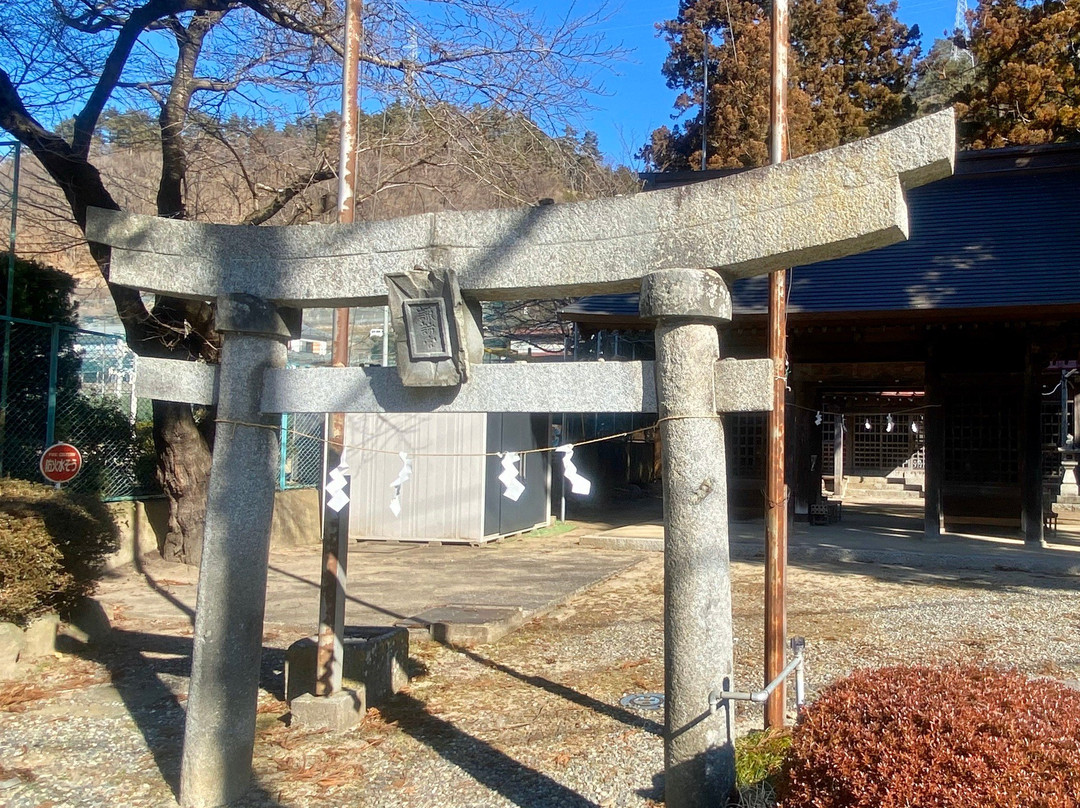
x=284 y=450
x=564 y=437
x=385 y=336
x=50 y=417
x=335 y=522
x=11 y=234
x=9 y=300
x=704 y=98
x=776 y=522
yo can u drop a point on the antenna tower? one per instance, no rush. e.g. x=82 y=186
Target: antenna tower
x=961 y=33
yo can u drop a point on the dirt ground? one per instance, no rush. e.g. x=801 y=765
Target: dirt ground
x=531 y=720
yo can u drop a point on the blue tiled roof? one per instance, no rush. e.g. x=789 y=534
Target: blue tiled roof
x=978 y=239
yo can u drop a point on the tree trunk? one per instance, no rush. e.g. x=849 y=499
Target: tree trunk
x=184 y=473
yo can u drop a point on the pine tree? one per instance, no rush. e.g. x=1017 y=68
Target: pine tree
x=1025 y=87
x=851 y=63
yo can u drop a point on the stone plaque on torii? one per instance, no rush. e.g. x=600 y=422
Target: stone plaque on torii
x=679 y=246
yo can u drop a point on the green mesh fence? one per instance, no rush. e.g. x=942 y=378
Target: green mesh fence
x=25 y=398
x=59 y=383
x=65 y=384
x=302 y=447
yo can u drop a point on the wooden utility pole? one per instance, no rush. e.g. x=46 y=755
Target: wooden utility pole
x=776 y=500
x=335 y=528
x=705 y=98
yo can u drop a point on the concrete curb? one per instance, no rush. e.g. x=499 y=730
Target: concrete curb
x=443 y=628
x=744 y=551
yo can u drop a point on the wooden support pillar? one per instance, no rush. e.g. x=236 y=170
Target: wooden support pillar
x=804 y=450
x=838 y=455
x=1031 y=482
x=1076 y=417
x=933 y=449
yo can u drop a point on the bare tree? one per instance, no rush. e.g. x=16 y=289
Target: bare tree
x=197 y=63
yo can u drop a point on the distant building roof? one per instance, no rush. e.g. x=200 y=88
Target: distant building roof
x=1004 y=231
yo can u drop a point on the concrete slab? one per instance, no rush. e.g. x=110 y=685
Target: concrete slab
x=505 y=583
x=337 y=713
x=876 y=533
x=374 y=664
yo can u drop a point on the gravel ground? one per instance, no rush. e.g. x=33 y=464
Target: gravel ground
x=532 y=720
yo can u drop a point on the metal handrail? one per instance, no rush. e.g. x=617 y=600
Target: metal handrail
x=796 y=665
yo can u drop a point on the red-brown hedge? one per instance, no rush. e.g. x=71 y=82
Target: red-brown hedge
x=936 y=737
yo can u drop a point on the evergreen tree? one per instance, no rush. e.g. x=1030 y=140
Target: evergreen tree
x=947 y=70
x=851 y=63
x=1024 y=88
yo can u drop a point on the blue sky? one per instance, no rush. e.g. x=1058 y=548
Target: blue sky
x=637 y=99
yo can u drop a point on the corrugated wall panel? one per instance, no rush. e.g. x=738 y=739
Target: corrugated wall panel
x=444 y=499
x=976 y=241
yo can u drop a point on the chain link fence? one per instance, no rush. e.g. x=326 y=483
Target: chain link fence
x=301 y=450
x=64 y=384
x=59 y=383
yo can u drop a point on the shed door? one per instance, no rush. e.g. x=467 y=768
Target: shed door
x=517 y=432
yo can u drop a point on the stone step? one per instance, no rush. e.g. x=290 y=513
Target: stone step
x=915 y=489
x=899 y=479
x=911 y=482
x=883 y=496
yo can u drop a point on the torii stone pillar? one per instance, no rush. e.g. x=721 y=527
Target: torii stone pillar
x=224 y=690
x=699 y=755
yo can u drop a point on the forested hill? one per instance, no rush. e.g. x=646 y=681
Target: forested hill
x=411 y=160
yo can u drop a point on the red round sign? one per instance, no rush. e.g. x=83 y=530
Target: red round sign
x=60 y=463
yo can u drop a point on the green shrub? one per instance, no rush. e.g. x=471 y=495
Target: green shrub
x=52 y=545
x=932 y=737
x=759 y=759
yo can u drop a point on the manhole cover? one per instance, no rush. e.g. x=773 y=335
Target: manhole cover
x=643 y=701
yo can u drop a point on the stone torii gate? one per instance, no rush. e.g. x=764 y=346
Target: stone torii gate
x=680 y=247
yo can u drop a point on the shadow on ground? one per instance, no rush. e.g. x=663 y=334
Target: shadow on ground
x=603 y=708
x=516 y=782
x=139 y=664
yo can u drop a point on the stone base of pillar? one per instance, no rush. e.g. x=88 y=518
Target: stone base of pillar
x=374 y=661
x=1069 y=487
x=337 y=712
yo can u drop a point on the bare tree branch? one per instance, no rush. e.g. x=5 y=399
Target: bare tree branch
x=285 y=195
x=129 y=33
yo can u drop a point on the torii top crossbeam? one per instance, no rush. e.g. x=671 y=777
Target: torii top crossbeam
x=823 y=206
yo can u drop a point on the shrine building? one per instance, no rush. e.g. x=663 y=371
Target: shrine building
x=943 y=365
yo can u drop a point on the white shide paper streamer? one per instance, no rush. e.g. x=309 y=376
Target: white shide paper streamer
x=402 y=477
x=336 y=498
x=513 y=488
x=578 y=484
